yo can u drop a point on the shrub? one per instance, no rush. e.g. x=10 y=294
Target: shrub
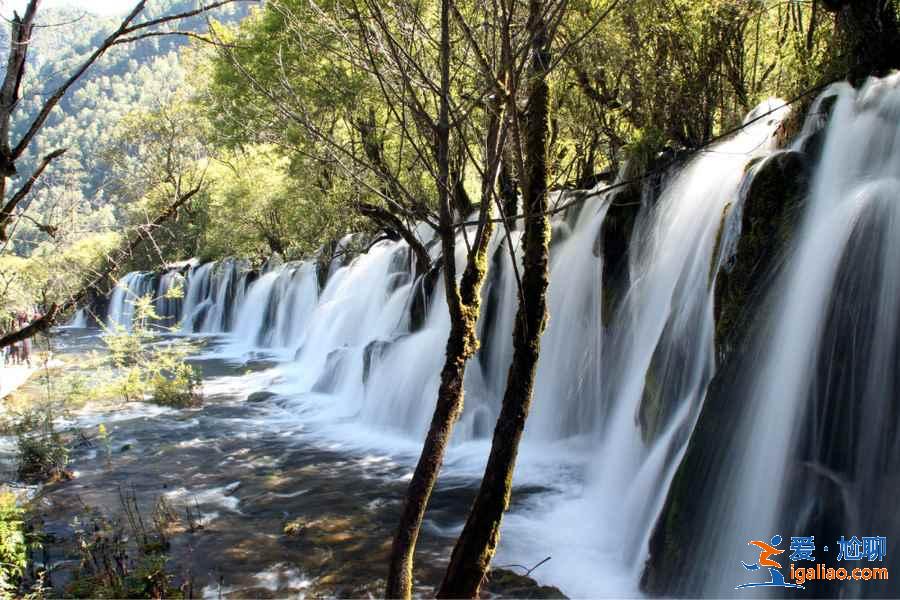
x=124 y=557
x=43 y=454
x=13 y=546
x=175 y=383
x=145 y=370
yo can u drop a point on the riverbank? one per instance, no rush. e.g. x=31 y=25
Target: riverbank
x=14 y=377
x=259 y=500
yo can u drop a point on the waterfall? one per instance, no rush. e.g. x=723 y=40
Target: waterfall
x=657 y=359
x=132 y=287
x=817 y=442
x=80 y=319
x=275 y=309
x=625 y=364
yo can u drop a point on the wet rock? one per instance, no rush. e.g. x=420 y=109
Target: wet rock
x=322 y=275
x=330 y=377
x=257 y=397
x=491 y=307
x=577 y=198
x=396 y=281
x=424 y=290
x=401 y=261
x=502 y=583
x=771 y=206
x=373 y=352
x=559 y=233
x=295 y=528
x=612 y=242
x=323 y=262
x=812 y=144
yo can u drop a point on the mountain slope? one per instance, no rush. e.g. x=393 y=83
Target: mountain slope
x=129 y=77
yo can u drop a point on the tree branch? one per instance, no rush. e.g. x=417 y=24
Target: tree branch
x=124 y=29
x=7 y=212
x=48 y=319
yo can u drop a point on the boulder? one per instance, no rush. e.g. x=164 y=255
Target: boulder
x=257 y=397
x=503 y=583
x=330 y=377
x=771 y=205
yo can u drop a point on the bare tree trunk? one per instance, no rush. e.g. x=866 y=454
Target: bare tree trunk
x=476 y=545
x=461 y=344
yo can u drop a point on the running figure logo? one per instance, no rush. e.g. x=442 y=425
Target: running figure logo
x=776 y=579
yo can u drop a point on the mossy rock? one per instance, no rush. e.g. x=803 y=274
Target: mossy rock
x=295 y=528
x=503 y=583
x=424 y=290
x=262 y=396
x=771 y=206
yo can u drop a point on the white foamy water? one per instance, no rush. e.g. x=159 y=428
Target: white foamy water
x=356 y=372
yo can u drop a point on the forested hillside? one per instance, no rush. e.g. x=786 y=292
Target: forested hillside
x=129 y=78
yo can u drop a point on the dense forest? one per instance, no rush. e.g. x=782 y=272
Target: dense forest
x=501 y=231
x=643 y=79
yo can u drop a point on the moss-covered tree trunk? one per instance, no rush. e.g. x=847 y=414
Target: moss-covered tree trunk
x=463 y=302
x=476 y=545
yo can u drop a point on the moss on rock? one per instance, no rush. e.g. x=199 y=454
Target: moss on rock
x=771 y=205
x=502 y=583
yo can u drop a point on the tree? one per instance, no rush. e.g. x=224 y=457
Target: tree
x=867 y=37
x=476 y=544
x=112 y=265
x=463 y=302
x=410 y=123
x=11 y=151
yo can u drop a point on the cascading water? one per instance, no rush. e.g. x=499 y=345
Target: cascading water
x=80 y=319
x=122 y=302
x=658 y=358
x=615 y=402
x=816 y=450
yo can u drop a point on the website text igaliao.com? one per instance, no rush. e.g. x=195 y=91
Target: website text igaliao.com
x=822 y=573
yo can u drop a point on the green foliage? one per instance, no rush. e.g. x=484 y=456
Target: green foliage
x=52 y=270
x=42 y=452
x=684 y=69
x=294 y=122
x=254 y=207
x=143 y=369
x=125 y=556
x=13 y=545
x=128 y=77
